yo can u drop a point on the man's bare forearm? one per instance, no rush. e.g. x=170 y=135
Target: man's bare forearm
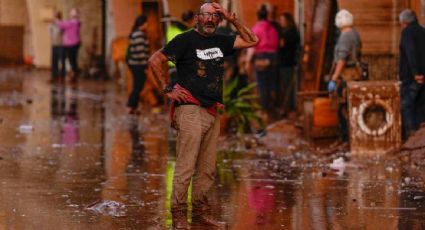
x=338 y=69
x=156 y=62
x=246 y=34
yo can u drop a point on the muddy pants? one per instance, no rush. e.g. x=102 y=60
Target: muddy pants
x=197 y=135
x=411 y=107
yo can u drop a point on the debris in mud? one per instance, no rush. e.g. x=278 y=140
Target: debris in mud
x=418 y=197
x=58 y=146
x=338 y=165
x=25 y=128
x=109 y=208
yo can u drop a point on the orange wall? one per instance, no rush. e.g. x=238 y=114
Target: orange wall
x=247 y=9
x=124 y=14
x=419 y=7
x=177 y=7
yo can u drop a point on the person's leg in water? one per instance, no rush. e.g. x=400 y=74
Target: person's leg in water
x=55 y=64
x=189 y=136
x=139 y=79
x=73 y=60
x=408 y=94
x=205 y=171
x=343 y=123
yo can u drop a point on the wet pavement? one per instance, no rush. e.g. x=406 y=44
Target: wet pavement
x=70 y=158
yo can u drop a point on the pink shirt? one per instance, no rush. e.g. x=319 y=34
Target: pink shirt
x=268 y=36
x=71 y=32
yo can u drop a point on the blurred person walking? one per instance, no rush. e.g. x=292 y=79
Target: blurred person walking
x=265 y=59
x=71 y=41
x=412 y=71
x=57 y=53
x=198 y=55
x=289 y=47
x=345 y=68
x=137 y=60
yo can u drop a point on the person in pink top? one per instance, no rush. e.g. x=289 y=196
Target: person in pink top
x=264 y=55
x=71 y=40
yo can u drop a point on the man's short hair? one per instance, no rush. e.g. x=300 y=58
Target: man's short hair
x=407 y=16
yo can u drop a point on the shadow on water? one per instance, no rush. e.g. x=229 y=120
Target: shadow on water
x=81 y=160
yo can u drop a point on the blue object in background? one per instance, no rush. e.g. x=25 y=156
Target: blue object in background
x=331 y=86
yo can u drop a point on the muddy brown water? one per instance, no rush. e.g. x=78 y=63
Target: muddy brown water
x=71 y=159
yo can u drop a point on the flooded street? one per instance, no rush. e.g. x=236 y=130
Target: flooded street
x=71 y=158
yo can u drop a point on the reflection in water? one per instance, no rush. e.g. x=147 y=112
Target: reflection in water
x=64 y=108
x=83 y=149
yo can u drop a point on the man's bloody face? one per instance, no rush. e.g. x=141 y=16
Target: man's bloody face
x=207 y=20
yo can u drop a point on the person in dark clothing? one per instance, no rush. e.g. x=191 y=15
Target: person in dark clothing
x=412 y=71
x=289 y=44
x=137 y=60
x=58 y=60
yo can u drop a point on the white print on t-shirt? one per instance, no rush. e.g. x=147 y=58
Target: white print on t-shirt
x=209 y=54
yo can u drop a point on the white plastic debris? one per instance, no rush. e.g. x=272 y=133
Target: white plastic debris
x=26 y=128
x=338 y=164
x=109 y=208
x=407 y=180
x=389 y=169
x=57 y=146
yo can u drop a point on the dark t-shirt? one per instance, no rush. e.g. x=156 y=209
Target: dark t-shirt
x=199 y=62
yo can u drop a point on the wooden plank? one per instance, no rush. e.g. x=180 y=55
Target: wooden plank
x=317 y=15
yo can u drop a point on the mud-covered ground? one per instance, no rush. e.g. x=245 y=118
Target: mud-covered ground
x=70 y=158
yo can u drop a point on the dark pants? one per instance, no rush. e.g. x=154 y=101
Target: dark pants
x=139 y=79
x=58 y=62
x=71 y=53
x=266 y=80
x=412 y=97
x=343 y=123
x=287 y=89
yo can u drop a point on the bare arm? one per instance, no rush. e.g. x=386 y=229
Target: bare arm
x=338 y=69
x=246 y=37
x=156 y=63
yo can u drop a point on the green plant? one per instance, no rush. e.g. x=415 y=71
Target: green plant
x=240 y=105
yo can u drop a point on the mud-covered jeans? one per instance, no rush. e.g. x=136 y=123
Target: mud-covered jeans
x=197 y=135
x=411 y=107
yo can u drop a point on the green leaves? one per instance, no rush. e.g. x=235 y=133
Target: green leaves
x=241 y=104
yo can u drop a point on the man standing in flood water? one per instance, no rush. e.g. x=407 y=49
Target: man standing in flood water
x=412 y=71
x=198 y=55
